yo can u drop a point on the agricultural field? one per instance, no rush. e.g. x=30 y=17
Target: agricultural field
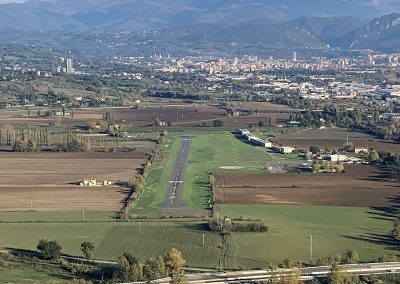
x=47 y=182
x=252 y=121
x=176 y=113
x=144 y=240
x=261 y=106
x=144 y=115
x=335 y=138
x=360 y=186
x=355 y=210
x=334 y=230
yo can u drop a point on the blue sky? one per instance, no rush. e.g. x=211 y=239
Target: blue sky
x=10 y=1
x=385 y=6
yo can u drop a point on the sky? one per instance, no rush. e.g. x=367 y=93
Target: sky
x=10 y=1
x=384 y=6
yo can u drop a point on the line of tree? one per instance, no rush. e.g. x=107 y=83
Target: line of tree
x=129 y=268
x=31 y=139
x=349 y=257
x=40 y=136
x=226 y=226
x=137 y=183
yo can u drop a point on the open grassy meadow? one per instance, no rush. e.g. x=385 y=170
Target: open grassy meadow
x=209 y=152
x=30 y=276
x=215 y=152
x=112 y=239
x=334 y=230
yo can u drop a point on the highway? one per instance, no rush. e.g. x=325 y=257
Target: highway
x=308 y=273
x=173 y=197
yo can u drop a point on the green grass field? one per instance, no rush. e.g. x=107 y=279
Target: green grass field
x=29 y=276
x=112 y=239
x=209 y=152
x=157 y=181
x=149 y=240
x=334 y=230
x=218 y=152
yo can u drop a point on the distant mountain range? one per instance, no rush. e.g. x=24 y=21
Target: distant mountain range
x=303 y=32
x=382 y=33
x=275 y=23
x=111 y=15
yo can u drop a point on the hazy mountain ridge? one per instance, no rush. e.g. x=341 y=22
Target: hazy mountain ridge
x=158 y=14
x=382 y=33
x=312 y=32
x=219 y=21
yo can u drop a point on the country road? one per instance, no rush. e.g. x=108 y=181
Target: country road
x=210 y=276
x=173 y=198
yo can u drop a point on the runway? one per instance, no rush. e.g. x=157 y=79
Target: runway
x=173 y=197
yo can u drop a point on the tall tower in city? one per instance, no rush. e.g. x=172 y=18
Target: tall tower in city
x=70 y=66
x=370 y=60
x=294 y=56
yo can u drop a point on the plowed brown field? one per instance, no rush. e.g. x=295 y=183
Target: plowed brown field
x=359 y=186
x=336 y=138
x=47 y=180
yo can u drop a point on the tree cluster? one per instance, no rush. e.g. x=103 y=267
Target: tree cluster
x=338 y=275
x=49 y=249
x=349 y=257
x=132 y=269
x=72 y=146
x=225 y=226
x=325 y=166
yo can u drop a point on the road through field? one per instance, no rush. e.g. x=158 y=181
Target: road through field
x=173 y=197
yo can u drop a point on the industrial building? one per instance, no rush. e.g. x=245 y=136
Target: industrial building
x=265 y=143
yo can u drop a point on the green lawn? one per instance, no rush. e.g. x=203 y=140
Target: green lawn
x=210 y=151
x=112 y=239
x=334 y=230
x=152 y=239
x=157 y=181
x=218 y=152
x=29 y=276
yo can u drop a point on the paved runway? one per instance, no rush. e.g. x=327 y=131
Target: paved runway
x=173 y=198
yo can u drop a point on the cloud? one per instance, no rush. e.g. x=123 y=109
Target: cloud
x=11 y=1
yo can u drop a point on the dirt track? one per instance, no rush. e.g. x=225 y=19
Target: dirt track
x=360 y=186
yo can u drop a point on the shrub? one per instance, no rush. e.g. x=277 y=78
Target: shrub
x=49 y=249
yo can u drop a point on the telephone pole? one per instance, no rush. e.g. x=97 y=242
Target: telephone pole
x=311 y=248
